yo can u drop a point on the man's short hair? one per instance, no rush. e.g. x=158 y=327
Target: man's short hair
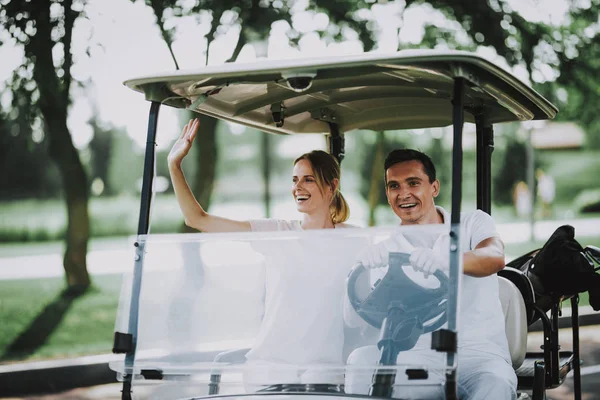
x=403 y=155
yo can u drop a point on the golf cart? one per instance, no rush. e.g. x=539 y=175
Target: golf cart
x=191 y=311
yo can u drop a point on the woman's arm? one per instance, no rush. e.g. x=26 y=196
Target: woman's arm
x=194 y=214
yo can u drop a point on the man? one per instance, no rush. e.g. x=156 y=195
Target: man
x=484 y=367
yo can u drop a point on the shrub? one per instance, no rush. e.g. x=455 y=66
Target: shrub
x=588 y=201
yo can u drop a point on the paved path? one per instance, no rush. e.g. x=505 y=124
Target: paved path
x=590 y=356
x=519 y=232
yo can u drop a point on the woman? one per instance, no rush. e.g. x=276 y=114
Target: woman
x=316 y=179
x=303 y=323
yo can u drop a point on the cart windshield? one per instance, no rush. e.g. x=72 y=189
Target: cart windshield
x=236 y=313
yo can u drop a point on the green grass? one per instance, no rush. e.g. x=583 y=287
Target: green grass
x=86 y=327
x=581 y=173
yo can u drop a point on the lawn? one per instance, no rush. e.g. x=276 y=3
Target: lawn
x=82 y=326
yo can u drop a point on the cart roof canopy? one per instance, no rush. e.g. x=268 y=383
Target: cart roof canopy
x=404 y=90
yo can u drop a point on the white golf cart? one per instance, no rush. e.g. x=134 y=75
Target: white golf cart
x=190 y=320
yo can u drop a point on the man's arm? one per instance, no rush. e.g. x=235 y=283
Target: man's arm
x=485 y=259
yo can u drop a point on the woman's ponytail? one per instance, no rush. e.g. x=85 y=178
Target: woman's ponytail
x=339 y=209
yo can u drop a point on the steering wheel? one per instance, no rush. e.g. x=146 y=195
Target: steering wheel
x=409 y=299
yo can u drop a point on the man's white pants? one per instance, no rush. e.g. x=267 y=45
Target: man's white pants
x=480 y=375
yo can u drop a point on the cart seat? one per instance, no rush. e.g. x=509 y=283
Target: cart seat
x=518 y=298
x=515 y=320
x=522 y=282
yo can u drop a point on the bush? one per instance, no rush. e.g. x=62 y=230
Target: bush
x=45 y=220
x=588 y=201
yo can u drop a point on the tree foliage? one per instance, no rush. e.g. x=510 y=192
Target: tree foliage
x=101 y=149
x=24 y=160
x=373 y=169
x=562 y=60
x=554 y=57
x=254 y=20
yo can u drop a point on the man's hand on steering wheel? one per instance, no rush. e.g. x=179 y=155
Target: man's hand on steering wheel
x=377 y=255
x=428 y=261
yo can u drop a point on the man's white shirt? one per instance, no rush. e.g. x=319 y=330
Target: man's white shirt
x=480 y=317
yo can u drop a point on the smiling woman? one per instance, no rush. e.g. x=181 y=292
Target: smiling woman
x=317 y=186
x=315 y=190
x=316 y=181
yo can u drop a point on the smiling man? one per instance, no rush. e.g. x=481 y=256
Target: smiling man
x=411 y=187
x=484 y=364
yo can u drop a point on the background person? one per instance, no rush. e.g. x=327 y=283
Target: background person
x=522 y=200
x=546 y=189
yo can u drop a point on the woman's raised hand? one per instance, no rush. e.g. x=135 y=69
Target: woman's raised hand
x=183 y=145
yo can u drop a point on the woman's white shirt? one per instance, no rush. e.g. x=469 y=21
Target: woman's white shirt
x=305 y=278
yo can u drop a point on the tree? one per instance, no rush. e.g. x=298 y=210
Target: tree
x=24 y=157
x=532 y=45
x=511 y=171
x=253 y=19
x=100 y=148
x=44 y=28
x=372 y=184
x=440 y=159
x=562 y=60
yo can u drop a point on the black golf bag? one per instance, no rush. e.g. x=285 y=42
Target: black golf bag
x=559 y=270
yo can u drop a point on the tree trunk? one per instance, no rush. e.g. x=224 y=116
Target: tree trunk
x=75 y=186
x=53 y=103
x=266 y=172
x=375 y=189
x=205 y=154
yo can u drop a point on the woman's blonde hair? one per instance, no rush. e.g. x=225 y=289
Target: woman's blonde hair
x=326 y=169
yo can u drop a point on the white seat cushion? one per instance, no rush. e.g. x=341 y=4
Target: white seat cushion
x=515 y=319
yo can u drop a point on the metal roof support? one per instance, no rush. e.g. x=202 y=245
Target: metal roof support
x=455 y=248
x=336 y=142
x=143 y=229
x=485 y=147
x=149 y=168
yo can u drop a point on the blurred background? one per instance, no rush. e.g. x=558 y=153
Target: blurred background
x=72 y=136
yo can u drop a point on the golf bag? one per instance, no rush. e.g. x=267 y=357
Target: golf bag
x=559 y=270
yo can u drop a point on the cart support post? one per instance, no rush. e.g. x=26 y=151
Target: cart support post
x=149 y=170
x=576 y=360
x=336 y=142
x=143 y=228
x=552 y=347
x=455 y=248
x=485 y=147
